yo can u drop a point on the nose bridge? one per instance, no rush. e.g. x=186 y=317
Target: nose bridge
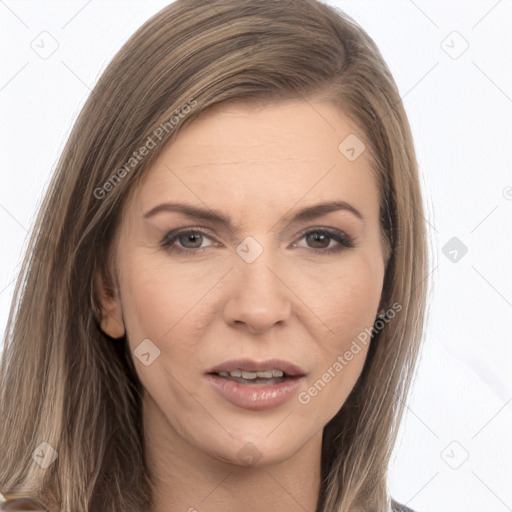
x=259 y=276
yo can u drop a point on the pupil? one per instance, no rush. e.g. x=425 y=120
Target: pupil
x=196 y=237
x=315 y=238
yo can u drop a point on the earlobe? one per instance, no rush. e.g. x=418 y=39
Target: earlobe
x=108 y=311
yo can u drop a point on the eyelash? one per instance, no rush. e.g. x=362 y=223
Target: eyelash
x=345 y=241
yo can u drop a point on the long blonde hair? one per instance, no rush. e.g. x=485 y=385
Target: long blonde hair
x=64 y=382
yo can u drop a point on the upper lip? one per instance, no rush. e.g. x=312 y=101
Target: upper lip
x=250 y=365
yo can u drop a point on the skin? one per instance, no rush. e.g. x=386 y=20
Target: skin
x=259 y=166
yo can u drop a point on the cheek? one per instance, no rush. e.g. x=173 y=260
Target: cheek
x=161 y=309
x=348 y=309
x=349 y=296
x=164 y=304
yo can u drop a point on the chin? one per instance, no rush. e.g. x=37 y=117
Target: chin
x=257 y=452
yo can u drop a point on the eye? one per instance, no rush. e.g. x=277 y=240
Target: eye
x=327 y=241
x=189 y=241
x=322 y=240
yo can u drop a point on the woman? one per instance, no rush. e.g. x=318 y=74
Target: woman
x=223 y=299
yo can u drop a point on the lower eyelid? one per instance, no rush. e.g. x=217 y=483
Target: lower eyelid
x=343 y=240
x=171 y=238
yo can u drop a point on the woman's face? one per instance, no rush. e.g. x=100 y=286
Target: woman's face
x=250 y=274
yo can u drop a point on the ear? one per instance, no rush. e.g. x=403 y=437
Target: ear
x=108 y=312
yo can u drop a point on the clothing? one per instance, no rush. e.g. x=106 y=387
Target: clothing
x=398 y=507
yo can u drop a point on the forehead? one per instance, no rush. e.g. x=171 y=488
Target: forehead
x=273 y=154
x=289 y=130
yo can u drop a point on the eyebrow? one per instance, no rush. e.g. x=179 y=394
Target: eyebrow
x=215 y=216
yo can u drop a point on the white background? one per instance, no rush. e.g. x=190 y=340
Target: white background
x=455 y=446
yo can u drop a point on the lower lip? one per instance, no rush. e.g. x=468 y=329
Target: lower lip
x=255 y=396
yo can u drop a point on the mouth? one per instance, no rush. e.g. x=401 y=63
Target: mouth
x=267 y=377
x=246 y=371
x=256 y=385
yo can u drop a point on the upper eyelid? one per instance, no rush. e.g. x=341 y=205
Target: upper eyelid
x=205 y=231
x=201 y=229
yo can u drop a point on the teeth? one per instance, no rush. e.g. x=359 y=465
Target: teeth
x=267 y=374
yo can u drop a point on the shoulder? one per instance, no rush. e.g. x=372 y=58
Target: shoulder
x=398 y=507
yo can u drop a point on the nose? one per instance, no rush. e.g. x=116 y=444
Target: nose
x=259 y=297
